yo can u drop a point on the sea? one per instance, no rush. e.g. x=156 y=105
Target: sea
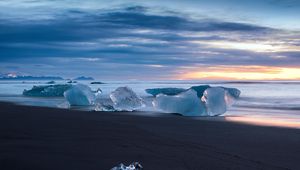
x=266 y=103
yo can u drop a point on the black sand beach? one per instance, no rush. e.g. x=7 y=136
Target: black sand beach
x=33 y=138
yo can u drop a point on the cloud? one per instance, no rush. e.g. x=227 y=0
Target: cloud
x=75 y=25
x=135 y=37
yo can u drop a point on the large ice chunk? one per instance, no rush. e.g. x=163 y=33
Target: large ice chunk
x=80 y=95
x=125 y=99
x=186 y=103
x=47 y=91
x=166 y=91
x=214 y=101
x=199 y=89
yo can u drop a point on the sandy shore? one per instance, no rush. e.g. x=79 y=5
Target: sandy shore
x=33 y=138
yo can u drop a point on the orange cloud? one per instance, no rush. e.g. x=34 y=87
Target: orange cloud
x=242 y=73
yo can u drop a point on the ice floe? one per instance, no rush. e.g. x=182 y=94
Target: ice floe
x=47 y=91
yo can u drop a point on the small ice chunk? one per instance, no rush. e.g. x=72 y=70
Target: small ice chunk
x=186 y=103
x=80 y=95
x=133 y=166
x=125 y=99
x=64 y=105
x=214 y=99
x=104 y=103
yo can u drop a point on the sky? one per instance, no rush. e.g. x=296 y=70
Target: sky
x=151 y=40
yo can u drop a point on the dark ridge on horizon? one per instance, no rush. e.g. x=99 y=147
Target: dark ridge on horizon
x=32 y=78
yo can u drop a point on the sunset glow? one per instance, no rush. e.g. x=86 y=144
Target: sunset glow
x=151 y=40
x=266 y=121
x=244 y=73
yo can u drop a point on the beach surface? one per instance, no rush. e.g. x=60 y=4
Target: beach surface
x=36 y=138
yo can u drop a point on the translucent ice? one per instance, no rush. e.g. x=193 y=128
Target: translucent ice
x=200 y=89
x=125 y=99
x=47 y=91
x=80 y=95
x=104 y=103
x=133 y=166
x=186 y=103
x=174 y=91
x=214 y=99
x=166 y=91
x=233 y=92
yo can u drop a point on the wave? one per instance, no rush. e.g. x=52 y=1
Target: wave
x=268 y=103
x=257 y=82
x=269 y=107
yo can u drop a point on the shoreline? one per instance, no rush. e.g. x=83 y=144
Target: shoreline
x=50 y=138
x=264 y=121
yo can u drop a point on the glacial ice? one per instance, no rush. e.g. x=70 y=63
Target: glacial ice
x=104 y=103
x=47 y=91
x=125 y=99
x=202 y=100
x=200 y=89
x=167 y=91
x=80 y=95
x=213 y=101
x=174 y=91
x=234 y=92
x=133 y=166
x=186 y=103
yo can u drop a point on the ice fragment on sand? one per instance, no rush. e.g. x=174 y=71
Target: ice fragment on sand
x=80 y=95
x=125 y=99
x=133 y=166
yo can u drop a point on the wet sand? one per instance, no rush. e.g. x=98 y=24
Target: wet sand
x=35 y=138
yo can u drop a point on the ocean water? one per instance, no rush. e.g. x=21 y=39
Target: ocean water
x=264 y=103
